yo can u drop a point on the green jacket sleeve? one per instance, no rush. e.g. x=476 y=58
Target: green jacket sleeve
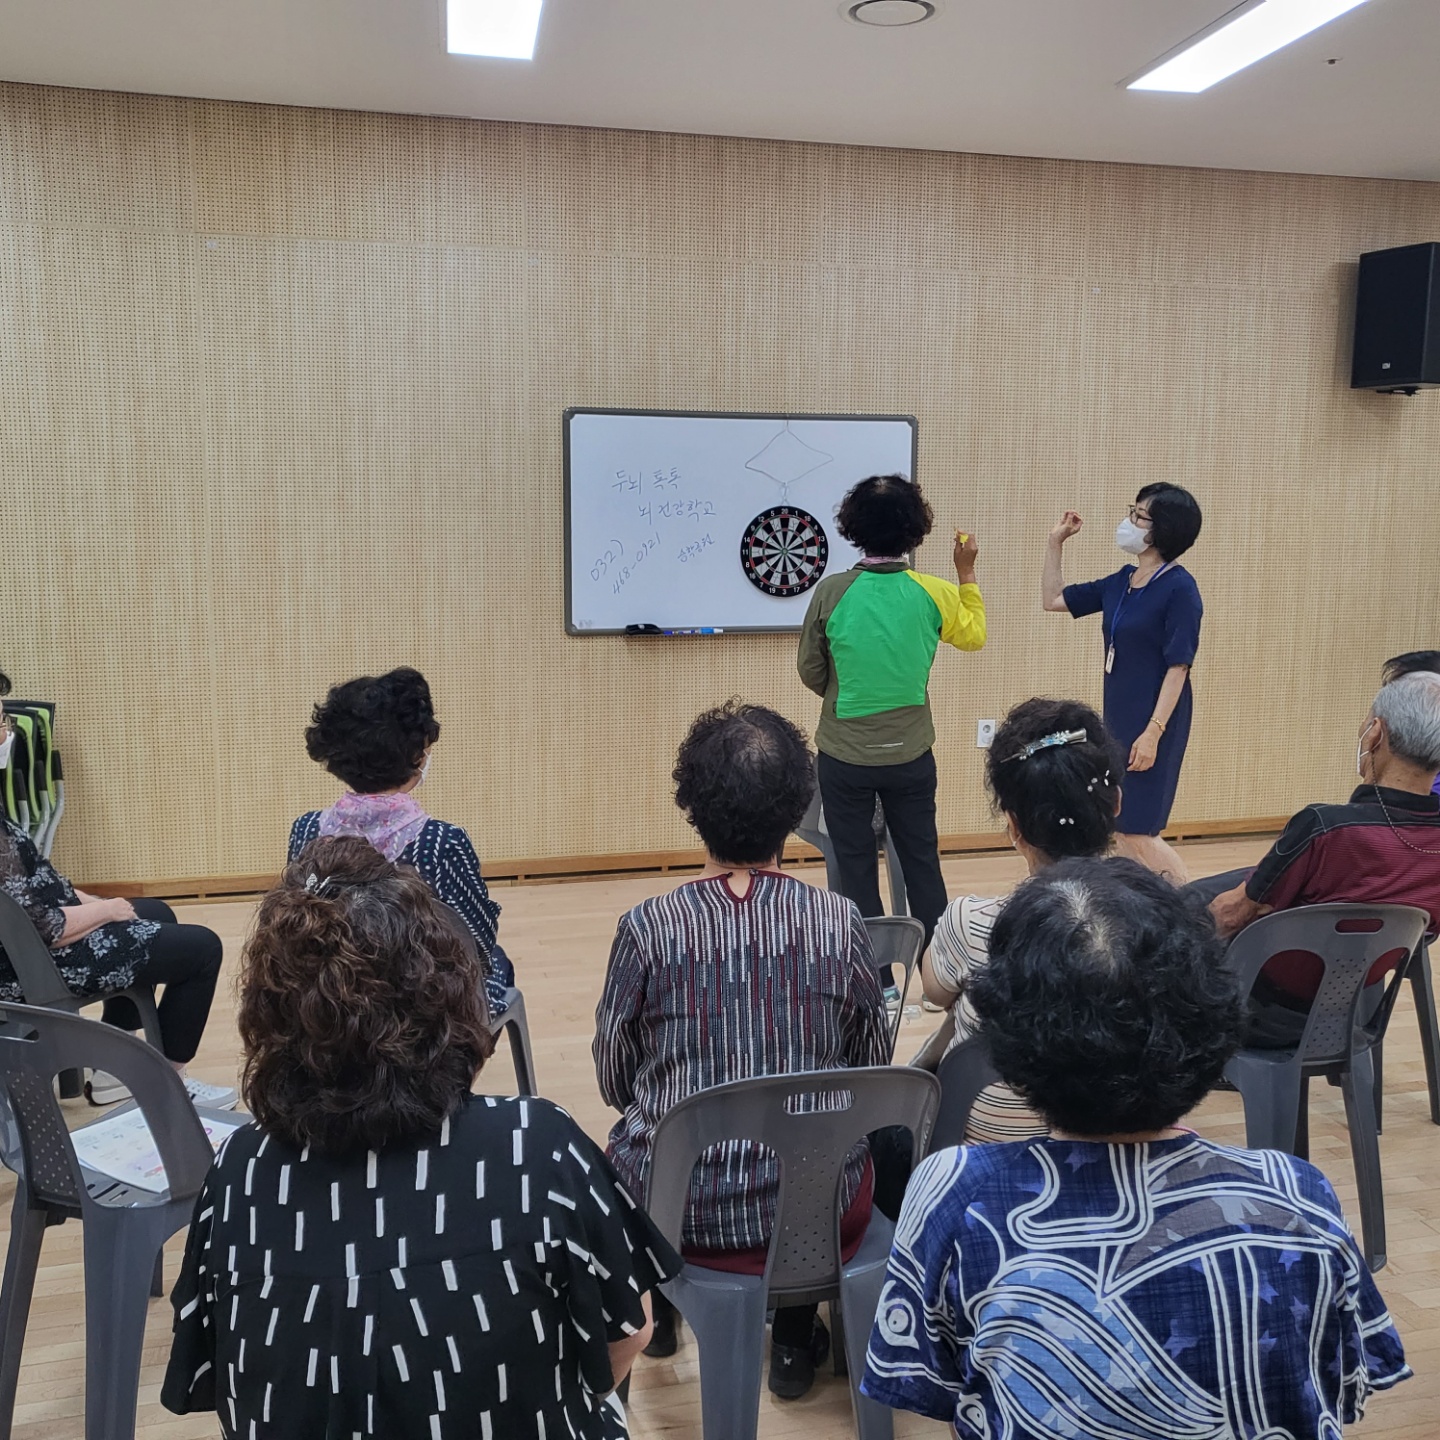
x=813 y=660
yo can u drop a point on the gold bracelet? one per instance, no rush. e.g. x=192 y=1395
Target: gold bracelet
x=1160 y=723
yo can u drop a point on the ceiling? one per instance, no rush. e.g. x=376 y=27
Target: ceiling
x=1020 y=77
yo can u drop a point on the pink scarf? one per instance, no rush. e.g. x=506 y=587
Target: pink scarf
x=388 y=822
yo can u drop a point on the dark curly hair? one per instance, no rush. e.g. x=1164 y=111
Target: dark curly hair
x=362 y=1012
x=4 y=683
x=372 y=733
x=1175 y=518
x=1395 y=668
x=1063 y=798
x=744 y=778
x=884 y=515
x=1105 y=1000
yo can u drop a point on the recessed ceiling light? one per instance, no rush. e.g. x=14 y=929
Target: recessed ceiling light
x=1219 y=52
x=889 y=13
x=504 y=29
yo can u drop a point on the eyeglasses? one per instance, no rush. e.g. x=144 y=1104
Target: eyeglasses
x=1139 y=516
x=7 y=726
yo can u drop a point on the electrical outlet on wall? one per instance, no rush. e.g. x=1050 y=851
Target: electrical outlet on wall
x=984 y=734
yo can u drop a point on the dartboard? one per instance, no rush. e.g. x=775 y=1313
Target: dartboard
x=784 y=551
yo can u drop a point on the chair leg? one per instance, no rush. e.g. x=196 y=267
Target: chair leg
x=157 y=1280
x=22 y=1259
x=120 y=1255
x=71 y=1083
x=1377 y=1061
x=1422 y=988
x=1357 y=1085
x=859 y=1299
x=1302 y=1119
x=520 y=1053
x=1271 y=1093
x=728 y=1321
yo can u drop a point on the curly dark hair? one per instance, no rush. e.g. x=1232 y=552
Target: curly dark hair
x=1105 y=1000
x=362 y=1011
x=884 y=515
x=372 y=733
x=4 y=683
x=1175 y=518
x=1063 y=799
x=1395 y=668
x=744 y=778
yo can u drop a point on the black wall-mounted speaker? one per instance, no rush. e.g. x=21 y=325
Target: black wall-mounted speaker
x=1397 y=320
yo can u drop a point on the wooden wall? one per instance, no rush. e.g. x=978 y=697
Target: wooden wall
x=280 y=397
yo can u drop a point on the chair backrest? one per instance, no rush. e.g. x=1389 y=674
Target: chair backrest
x=811 y=1146
x=36 y=1045
x=29 y=956
x=963 y=1074
x=1348 y=940
x=897 y=940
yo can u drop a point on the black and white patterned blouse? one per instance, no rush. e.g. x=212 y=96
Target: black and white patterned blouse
x=465 y=1285
x=104 y=961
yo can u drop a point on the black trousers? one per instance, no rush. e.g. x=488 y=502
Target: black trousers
x=907 y=794
x=185 y=959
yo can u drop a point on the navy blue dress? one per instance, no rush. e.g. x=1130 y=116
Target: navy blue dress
x=1159 y=626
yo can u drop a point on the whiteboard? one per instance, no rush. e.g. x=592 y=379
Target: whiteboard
x=657 y=504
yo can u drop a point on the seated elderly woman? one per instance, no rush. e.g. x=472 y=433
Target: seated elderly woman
x=382 y=1252
x=744 y=971
x=1123 y=1277
x=375 y=735
x=1055 y=773
x=100 y=946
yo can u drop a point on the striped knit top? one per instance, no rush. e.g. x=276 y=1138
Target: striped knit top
x=704 y=987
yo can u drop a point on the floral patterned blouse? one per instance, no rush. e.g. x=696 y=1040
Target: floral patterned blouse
x=104 y=961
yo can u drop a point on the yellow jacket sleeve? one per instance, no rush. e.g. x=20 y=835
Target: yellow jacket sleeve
x=962 y=611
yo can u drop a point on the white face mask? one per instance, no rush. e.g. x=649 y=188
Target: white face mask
x=1361 y=752
x=424 y=770
x=1130 y=537
x=6 y=746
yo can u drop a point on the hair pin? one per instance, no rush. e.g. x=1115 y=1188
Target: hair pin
x=1051 y=742
x=315 y=885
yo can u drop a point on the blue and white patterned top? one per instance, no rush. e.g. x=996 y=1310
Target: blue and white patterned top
x=1179 y=1290
x=446 y=860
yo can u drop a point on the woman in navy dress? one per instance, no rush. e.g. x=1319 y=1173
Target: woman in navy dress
x=1150 y=618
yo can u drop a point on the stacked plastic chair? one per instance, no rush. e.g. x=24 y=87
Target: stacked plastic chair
x=32 y=785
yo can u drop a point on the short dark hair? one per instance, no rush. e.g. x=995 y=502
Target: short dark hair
x=1105 y=1001
x=362 y=1012
x=744 y=778
x=372 y=733
x=1063 y=797
x=884 y=515
x=1398 y=666
x=1175 y=518
x=4 y=683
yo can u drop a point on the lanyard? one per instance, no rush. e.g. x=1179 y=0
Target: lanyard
x=1120 y=610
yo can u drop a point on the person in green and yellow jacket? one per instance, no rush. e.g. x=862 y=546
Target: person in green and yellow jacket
x=868 y=643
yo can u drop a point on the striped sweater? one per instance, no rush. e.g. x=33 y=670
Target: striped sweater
x=705 y=987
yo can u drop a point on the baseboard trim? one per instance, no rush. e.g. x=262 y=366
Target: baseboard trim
x=555 y=868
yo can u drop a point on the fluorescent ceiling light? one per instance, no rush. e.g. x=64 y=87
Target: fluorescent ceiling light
x=1218 y=53
x=504 y=29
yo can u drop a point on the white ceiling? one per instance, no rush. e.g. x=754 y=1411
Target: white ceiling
x=1022 y=77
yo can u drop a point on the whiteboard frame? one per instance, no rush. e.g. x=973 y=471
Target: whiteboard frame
x=570 y=412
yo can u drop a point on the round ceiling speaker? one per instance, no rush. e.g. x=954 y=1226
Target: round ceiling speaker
x=889 y=13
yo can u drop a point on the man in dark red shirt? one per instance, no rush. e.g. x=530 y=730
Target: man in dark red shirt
x=1381 y=847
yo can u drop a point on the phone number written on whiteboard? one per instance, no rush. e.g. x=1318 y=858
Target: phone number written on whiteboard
x=616 y=564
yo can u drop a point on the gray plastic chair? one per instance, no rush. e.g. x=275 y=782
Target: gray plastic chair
x=813 y=831
x=511 y=1020
x=964 y=1074
x=41 y=982
x=897 y=940
x=1422 y=990
x=125 y=1228
x=727 y=1312
x=1344 y=1022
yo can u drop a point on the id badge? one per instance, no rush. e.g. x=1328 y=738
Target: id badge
x=1110 y=660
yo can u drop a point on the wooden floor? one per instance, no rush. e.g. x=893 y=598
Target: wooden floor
x=558 y=936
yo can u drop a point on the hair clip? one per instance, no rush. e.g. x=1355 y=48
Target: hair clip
x=315 y=885
x=1050 y=742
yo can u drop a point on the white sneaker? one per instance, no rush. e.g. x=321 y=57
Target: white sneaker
x=102 y=1088
x=930 y=1007
x=212 y=1097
